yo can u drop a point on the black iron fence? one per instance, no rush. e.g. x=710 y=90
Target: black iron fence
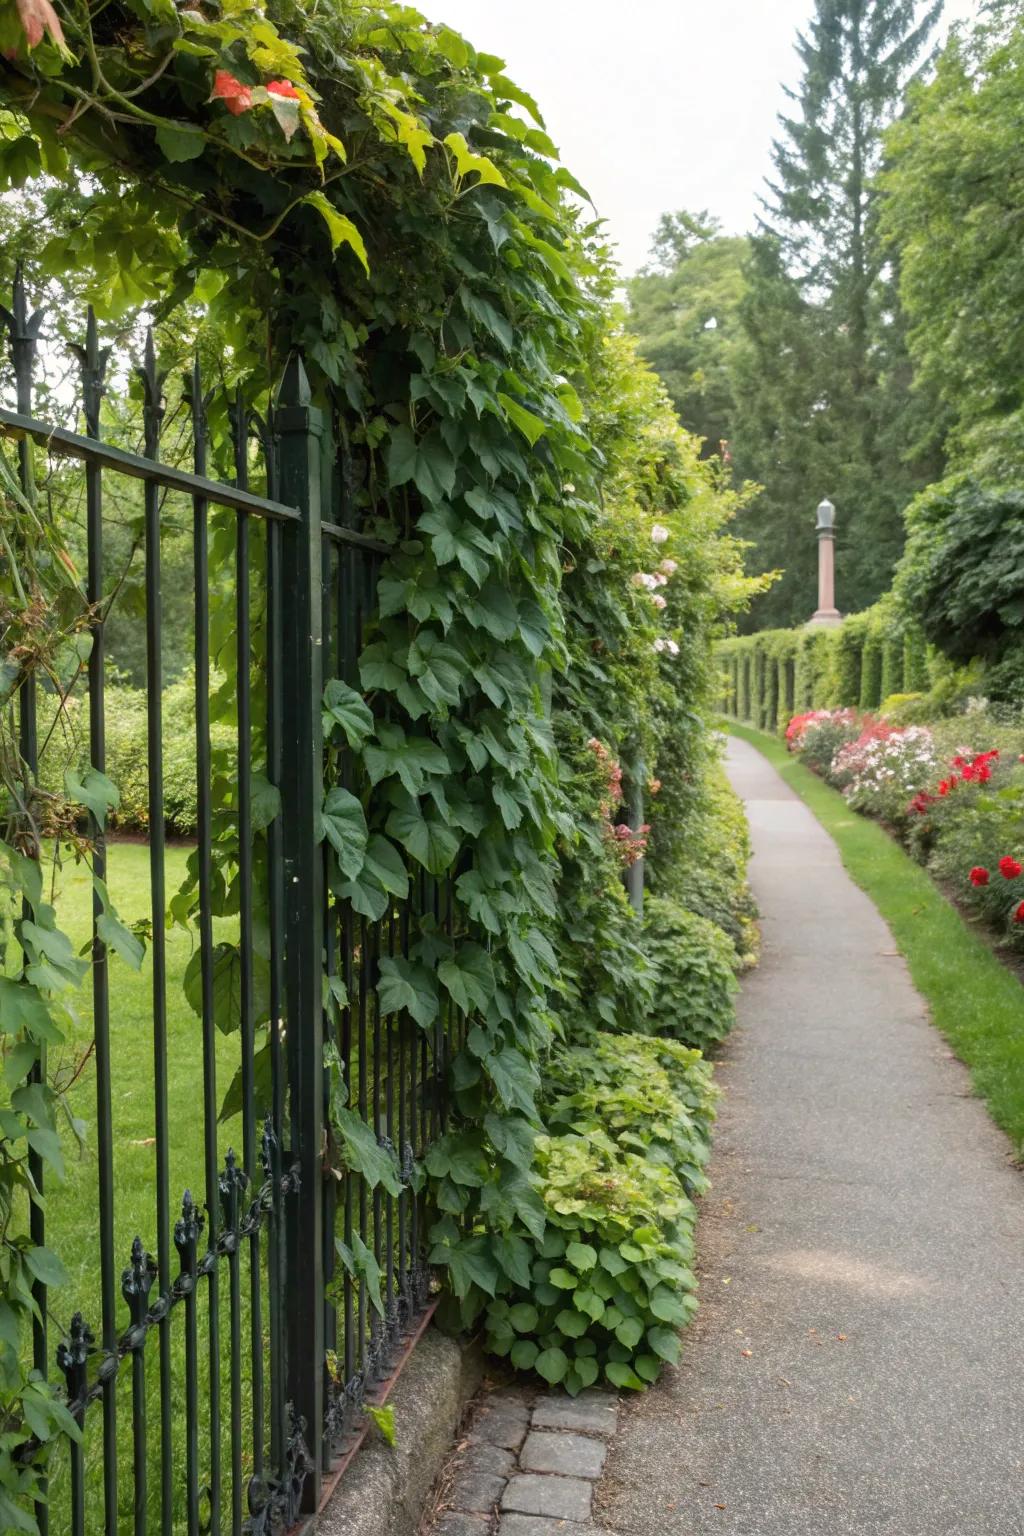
x=238 y=1285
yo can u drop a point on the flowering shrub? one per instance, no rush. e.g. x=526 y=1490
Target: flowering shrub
x=884 y=770
x=822 y=738
x=797 y=727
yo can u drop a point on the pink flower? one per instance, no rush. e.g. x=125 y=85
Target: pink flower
x=658 y=600
x=669 y=567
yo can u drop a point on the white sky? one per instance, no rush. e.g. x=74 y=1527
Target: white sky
x=654 y=104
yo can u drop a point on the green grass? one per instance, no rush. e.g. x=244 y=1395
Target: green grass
x=975 y=1001
x=73 y=1206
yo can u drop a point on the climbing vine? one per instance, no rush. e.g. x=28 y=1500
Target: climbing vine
x=355 y=183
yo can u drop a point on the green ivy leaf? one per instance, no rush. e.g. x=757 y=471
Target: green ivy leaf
x=93 y=790
x=665 y=1344
x=427 y=462
x=45 y=1266
x=515 y=1077
x=412 y=758
x=347 y=709
x=438 y=668
x=621 y=1375
x=428 y=840
x=384 y=1418
x=405 y=986
x=377 y=670
x=180 y=142
x=340 y=227
x=343 y=823
x=524 y=1354
x=469 y=978
x=113 y=933
x=573 y=1324
x=581 y=1256
x=369 y=1271
x=552 y=1364
x=363 y=1154
x=23 y=1007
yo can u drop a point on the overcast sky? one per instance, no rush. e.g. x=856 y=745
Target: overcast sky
x=655 y=104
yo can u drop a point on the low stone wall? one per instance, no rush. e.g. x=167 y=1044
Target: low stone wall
x=384 y=1491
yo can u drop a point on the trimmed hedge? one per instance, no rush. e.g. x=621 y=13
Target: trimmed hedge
x=770 y=676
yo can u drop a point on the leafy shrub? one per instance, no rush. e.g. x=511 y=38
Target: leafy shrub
x=906 y=709
x=65 y=731
x=709 y=877
x=961 y=573
x=650 y=1094
x=695 y=966
x=602 y=1294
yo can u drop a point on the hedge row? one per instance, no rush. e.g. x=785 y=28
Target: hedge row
x=768 y=677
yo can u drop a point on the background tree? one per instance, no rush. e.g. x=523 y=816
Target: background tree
x=822 y=383
x=684 y=308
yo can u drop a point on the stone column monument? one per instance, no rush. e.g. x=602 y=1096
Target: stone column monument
x=827 y=612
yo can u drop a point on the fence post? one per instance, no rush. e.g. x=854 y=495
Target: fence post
x=298 y=426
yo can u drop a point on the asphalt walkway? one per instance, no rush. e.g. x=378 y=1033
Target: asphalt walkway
x=857 y=1365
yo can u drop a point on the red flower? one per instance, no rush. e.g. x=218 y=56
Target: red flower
x=979 y=875
x=282 y=88
x=235 y=96
x=1018 y=916
x=945 y=787
x=1010 y=869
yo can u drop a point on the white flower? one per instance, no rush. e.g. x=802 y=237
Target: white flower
x=568 y=490
x=660 y=534
x=673 y=648
x=661 y=579
x=669 y=567
x=661 y=645
x=642 y=579
x=658 y=600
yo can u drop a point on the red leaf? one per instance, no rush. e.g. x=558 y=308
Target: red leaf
x=236 y=96
x=282 y=88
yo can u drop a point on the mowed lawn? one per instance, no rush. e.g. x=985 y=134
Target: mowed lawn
x=72 y=1213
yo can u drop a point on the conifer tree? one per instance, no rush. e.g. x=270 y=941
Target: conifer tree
x=822 y=384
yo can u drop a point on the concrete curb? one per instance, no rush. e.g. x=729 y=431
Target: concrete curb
x=384 y=1491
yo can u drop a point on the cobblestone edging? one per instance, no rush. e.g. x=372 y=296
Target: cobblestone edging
x=529 y=1465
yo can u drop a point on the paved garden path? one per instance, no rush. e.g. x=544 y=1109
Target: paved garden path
x=858 y=1362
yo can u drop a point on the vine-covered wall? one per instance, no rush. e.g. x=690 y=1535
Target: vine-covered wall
x=352 y=182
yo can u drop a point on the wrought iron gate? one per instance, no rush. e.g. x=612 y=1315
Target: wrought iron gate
x=221 y=1354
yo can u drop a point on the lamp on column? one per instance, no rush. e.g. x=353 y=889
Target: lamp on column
x=827 y=612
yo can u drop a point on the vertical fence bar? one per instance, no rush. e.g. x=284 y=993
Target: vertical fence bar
x=201 y=574
x=93 y=362
x=136 y=1284
x=186 y=1239
x=240 y=431
x=153 y=411
x=299 y=427
x=274 y=1121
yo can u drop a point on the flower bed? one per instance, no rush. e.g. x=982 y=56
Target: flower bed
x=958 y=809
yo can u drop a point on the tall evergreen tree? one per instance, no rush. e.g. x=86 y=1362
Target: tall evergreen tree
x=684 y=309
x=822 y=383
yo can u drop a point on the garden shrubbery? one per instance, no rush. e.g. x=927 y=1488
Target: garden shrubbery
x=604 y=1292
